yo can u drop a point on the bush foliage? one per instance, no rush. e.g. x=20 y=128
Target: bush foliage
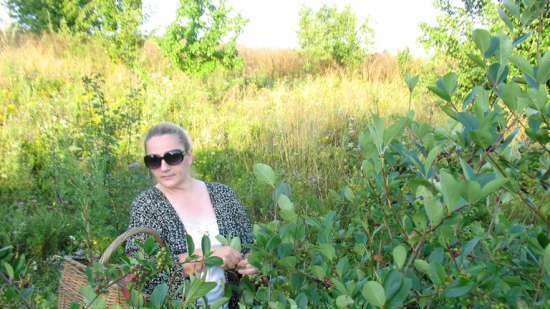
x=358 y=212
x=330 y=35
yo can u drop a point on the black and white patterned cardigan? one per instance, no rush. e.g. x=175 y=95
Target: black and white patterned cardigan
x=152 y=209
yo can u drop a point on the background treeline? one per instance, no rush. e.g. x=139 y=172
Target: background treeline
x=459 y=184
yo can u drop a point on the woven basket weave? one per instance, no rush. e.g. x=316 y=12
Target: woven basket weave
x=73 y=275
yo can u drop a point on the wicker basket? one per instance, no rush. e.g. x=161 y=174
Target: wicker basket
x=73 y=275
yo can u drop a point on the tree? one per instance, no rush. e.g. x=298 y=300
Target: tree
x=329 y=35
x=450 y=37
x=114 y=21
x=203 y=36
x=41 y=15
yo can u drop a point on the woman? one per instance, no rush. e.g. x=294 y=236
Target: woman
x=179 y=205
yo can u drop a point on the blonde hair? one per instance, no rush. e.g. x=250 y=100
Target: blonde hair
x=165 y=128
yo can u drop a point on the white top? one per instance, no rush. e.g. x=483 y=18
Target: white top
x=196 y=228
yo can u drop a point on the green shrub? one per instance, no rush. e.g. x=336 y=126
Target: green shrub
x=203 y=36
x=330 y=35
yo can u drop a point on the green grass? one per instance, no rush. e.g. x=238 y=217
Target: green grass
x=72 y=149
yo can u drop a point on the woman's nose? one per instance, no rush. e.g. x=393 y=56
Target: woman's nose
x=163 y=165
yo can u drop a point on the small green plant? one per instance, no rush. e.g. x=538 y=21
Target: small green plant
x=149 y=262
x=330 y=35
x=203 y=36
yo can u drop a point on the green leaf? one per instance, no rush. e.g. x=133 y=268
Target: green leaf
x=287 y=208
x=432 y=206
x=285 y=203
x=451 y=189
x=493 y=185
x=318 y=271
x=470 y=97
x=543 y=69
x=467 y=170
x=282 y=188
x=392 y=283
x=328 y=251
x=399 y=256
x=445 y=86
x=482 y=39
x=436 y=273
x=347 y=194
x=422 y=266
x=504 y=52
x=522 y=64
x=264 y=173
x=497 y=73
x=205 y=245
x=376 y=130
x=472 y=191
x=505 y=19
x=511 y=6
x=493 y=46
x=374 y=294
x=236 y=244
x=343 y=301
x=222 y=240
x=509 y=93
x=547 y=258
x=430 y=158
x=213 y=261
x=411 y=81
x=468 y=248
x=159 y=294
x=458 y=288
x=419 y=220
x=9 y=270
x=197 y=289
x=401 y=295
x=288 y=262
x=190 y=244
x=449 y=82
x=90 y=298
x=440 y=93
x=4 y=251
x=476 y=59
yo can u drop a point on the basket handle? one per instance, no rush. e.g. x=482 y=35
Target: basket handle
x=123 y=237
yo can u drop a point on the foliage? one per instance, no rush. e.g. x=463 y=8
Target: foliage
x=203 y=36
x=429 y=219
x=329 y=35
x=42 y=15
x=16 y=289
x=450 y=37
x=133 y=273
x=115 y=22
x=384 y=212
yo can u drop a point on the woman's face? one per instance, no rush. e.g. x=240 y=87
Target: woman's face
x=169 y=176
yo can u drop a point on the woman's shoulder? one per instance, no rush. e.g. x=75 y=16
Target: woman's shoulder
x=216 y=188
x=147 y=196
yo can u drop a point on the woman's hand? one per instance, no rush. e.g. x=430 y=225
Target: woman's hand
x=190 y=268
x=245 y=268
x=230 y=256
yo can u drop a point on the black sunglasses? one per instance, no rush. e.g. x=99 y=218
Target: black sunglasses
x=172 y=157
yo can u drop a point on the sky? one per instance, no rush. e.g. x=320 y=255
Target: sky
x=274 y=23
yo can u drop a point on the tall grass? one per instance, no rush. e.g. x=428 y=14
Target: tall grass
x=306 y=124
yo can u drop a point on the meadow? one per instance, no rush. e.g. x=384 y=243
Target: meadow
x=430 y=196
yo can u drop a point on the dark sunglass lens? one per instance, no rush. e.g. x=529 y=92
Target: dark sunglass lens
x=173 y=157
x=152 y=162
